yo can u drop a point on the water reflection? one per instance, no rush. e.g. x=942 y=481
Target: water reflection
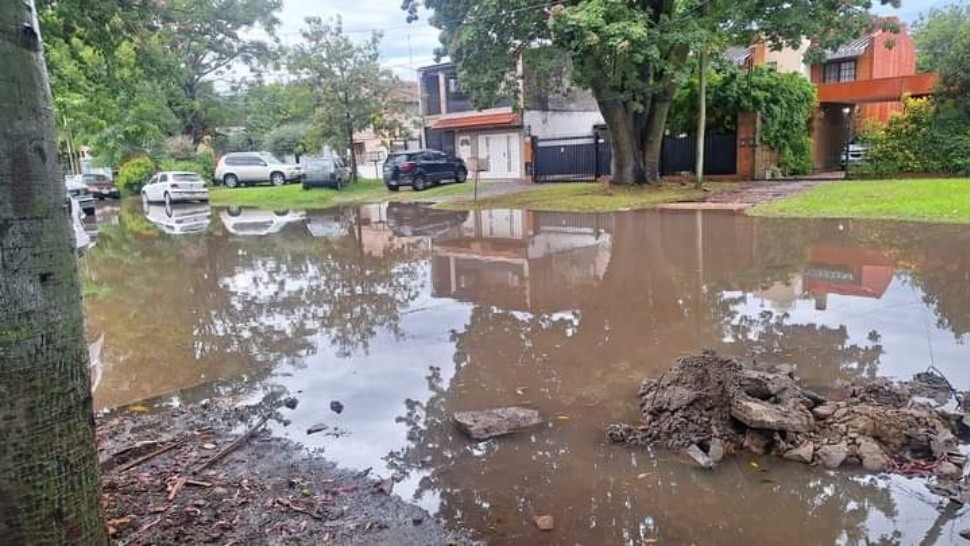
x=406 y=314
x=178 y=218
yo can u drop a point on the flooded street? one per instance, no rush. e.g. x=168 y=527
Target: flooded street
x=405 y=314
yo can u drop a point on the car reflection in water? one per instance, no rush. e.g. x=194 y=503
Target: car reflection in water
x=420 y=220
x=179 y=218
x=252 y=221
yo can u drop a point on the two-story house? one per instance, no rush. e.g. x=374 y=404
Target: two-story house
x=500 y=136
x=452 y=125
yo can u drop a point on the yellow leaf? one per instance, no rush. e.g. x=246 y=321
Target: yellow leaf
x=562 y=417
x=521 y=390
x=140 y=408
x=651 y=540
x=754 y=464
x=642 y=476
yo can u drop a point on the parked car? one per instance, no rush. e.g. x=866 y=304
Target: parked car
x=82 y=239
x=857 y=155
x=100 y=185
x=331 y=173
x=80 y=193
x=253 y=221
x=422 y=169
x=249 y=168
x=172 y=186
x=179 y=218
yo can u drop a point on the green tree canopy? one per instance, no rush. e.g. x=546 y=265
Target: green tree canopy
x=942 y=37
x=350 y=89
x=630 y=54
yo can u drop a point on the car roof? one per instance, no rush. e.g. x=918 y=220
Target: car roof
x=402 y=152
x=177 y=172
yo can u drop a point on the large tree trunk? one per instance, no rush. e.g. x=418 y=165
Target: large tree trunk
x=49 y=488
x=627 y=162
x=353 y=152
x=656 y=118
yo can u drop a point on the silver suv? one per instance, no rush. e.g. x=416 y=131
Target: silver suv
x=249 y=168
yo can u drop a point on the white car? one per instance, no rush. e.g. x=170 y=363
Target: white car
x=82 y=239
x=257 y=221
x=79 y=191
x=247 y=168
x=172 y=186
x=179 y=219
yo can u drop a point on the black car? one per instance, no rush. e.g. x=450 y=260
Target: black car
x=422 y=169
x=420 y=220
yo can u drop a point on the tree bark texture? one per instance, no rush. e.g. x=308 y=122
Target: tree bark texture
x=49 y=484
x=626 y=159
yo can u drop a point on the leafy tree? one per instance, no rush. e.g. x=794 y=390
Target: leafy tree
x=205 y=38
x=351 y=91
x=287 y=139
x=630 y=55
x=49 y=484
x=942 y=36
x=785 y=100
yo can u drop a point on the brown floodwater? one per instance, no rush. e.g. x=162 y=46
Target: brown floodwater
x=406 y=314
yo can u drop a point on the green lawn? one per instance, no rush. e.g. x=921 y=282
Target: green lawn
x=293 y=196
x=589 y=197
x=942 y=200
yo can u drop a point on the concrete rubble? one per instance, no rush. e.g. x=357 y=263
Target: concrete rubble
x=708 y=405
x=482 y=425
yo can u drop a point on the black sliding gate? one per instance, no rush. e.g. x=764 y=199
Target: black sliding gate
x=588 y=157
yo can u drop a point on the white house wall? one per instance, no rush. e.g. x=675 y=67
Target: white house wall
x=556 y=124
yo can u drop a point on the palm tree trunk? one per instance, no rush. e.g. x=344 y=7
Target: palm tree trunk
x=49 y=488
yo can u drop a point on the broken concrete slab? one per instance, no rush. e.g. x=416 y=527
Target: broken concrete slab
x=801 y=454
x=699 y=456
x=716 y=451
x=485 y=424
x=824 y=411
x=764 y=415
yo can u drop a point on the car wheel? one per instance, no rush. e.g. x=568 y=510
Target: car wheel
x=461 y=175
x=144 y=201
x=234 y=211
x=168 y=207
x=420 y=183
x=277 y=178
x=394 y=188
x=168 y=200
x=230 y=180
x=306 y=186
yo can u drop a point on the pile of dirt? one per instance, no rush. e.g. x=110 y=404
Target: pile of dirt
x=165 y=481
x=709 y=405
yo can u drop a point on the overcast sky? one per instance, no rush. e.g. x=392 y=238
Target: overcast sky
x=408 y=46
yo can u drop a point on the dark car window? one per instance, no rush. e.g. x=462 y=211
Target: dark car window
x=163 y=178
x=94 y=178
x=318 y=164
x=438 y=156
x=186 y=177
x=397 y=159
x=243 y=160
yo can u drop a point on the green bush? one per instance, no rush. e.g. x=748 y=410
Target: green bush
x=133 y=173
x=921 y=139
x=204 y=165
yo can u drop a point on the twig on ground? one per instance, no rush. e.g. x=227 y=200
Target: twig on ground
x=232 y=446
x=176 y=488
x=289 y=504
x=132 y=464
x=197 y=483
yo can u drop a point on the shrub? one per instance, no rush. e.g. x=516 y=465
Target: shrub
x=133 y=173
x=921 y=139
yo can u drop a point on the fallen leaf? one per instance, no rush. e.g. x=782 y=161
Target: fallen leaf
x=140 y=408
x=651 y=540
x=521 y=390
x=642 y=476
x=544 y=523
x=562 y=417
x=754 y=464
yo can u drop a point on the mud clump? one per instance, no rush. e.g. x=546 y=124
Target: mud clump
x=707 y=401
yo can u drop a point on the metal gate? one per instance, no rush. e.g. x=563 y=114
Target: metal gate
x=588 y=157
x=570 y=158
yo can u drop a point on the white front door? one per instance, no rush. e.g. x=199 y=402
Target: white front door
x=503 y=153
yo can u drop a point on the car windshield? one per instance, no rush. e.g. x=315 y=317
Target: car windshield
x=92 y=178
x=397 y=159
x=318 y=163
x=186 y=177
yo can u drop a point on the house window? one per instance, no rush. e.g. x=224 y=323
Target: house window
x=844 y=71
x=453 y=86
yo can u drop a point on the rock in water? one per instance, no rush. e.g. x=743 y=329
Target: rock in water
x=756 y=441
x=716 y=451
x=871 y=455
x=764 y=415
x=832 y=456
x=545 y=523
x=337 y=407
x=801 y=454
x=482 y=425
x=319 y=427
x=700 y=457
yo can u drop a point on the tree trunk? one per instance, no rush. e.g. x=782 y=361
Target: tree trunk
x=353 y=152
x=653 y=137
x=627 y=162
x=701 y=121
x=49 y=485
